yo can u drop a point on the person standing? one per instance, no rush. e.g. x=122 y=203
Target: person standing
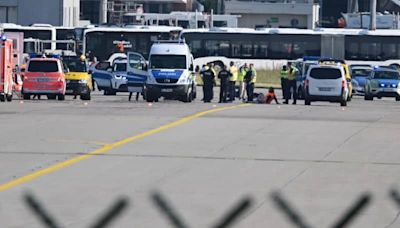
x=242 y=84
x=232 y=81
x=291 y=84
x=250 y=79
x=224 y=76
x=284 y=79
x=208 y=84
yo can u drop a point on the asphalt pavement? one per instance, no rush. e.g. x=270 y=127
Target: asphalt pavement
x=78 y=157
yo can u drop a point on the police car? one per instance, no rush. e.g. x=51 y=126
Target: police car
x=382 y=82
x=170 y=72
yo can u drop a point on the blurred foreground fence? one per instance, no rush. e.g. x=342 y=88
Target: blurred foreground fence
x=234 y=214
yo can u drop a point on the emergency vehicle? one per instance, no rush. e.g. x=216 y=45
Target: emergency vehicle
x=44 y=76
x=6 y=69
x=78 y=78
x=170 y=73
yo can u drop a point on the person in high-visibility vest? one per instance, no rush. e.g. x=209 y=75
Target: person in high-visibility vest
x=292 y=84
x=250 y=78
x=284 y=80
x=242 y=84
x=232 y=81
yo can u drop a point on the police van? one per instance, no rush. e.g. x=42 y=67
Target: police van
x=170 y=72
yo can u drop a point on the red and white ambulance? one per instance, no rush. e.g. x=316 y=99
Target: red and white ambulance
x=6 y=69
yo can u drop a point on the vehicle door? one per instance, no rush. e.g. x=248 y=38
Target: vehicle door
x=136 y=72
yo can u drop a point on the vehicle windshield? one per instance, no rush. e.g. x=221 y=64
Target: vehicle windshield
x=325 y=73
x=168 y=62
x=386 y=75
x=360 y=72
x=75 y=65
x=43 y=66
x=119 y=66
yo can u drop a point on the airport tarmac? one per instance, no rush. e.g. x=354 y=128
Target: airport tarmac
x=78 y=157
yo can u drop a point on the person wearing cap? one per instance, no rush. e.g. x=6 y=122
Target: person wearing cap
x=224 y=76
x=284 y=80
x=208 y=84
x=291 y=84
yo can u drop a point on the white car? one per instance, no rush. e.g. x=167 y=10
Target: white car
x=326 y=83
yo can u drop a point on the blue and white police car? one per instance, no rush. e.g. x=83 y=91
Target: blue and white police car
x=382 y=82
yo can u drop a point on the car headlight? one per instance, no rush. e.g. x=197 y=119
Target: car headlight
x=117 y=76
x=150 y=79
x=67 y=81
x=394 y=85
x=83 y=81
x=382 y=85
x=183 y=80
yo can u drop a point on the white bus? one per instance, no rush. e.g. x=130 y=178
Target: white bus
x=102 y=42
x=34 y=32
x=271 y=47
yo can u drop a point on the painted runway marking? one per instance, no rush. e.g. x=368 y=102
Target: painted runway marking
x=106 y=148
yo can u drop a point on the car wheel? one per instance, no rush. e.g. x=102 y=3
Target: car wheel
x=86 y=97
x=368 y=97
x=26 y=96
x=398 y=98
x=2 y=98
x=9 y=97
x=307 y=101
x=343 y=103
x=51 y=97
x=61 y=97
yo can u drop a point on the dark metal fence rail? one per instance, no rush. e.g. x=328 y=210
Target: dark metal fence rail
x=227 y=220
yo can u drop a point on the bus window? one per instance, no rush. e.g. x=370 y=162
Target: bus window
x=260 y=49
x=236 y=52
x=217 y=47
x=196 y=48
x=247 y=49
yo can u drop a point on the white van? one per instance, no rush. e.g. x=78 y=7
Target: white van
x=326 y=83
x=170 y=72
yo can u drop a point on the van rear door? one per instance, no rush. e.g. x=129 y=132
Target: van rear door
x=325 y=81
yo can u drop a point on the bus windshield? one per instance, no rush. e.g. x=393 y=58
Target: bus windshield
x=168 y=62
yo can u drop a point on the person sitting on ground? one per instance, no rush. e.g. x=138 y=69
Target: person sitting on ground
x=271 y=96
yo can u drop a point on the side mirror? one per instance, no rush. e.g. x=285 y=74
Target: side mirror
x=191 y=67
x=144 y=66
x=110 y=69
x=22 y=70
x=90 y=72
x=66 y=71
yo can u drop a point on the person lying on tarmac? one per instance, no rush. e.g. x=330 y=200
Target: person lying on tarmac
x=271 y=96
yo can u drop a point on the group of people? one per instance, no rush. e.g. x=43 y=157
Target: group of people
x=246 y=76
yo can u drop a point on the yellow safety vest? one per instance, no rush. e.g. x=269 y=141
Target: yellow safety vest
x=284 y=73
x=242 y=73
x=234 y=72
x=292 y=76
x=254 y=76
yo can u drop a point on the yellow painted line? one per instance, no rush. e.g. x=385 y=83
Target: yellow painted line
x=106 y=148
